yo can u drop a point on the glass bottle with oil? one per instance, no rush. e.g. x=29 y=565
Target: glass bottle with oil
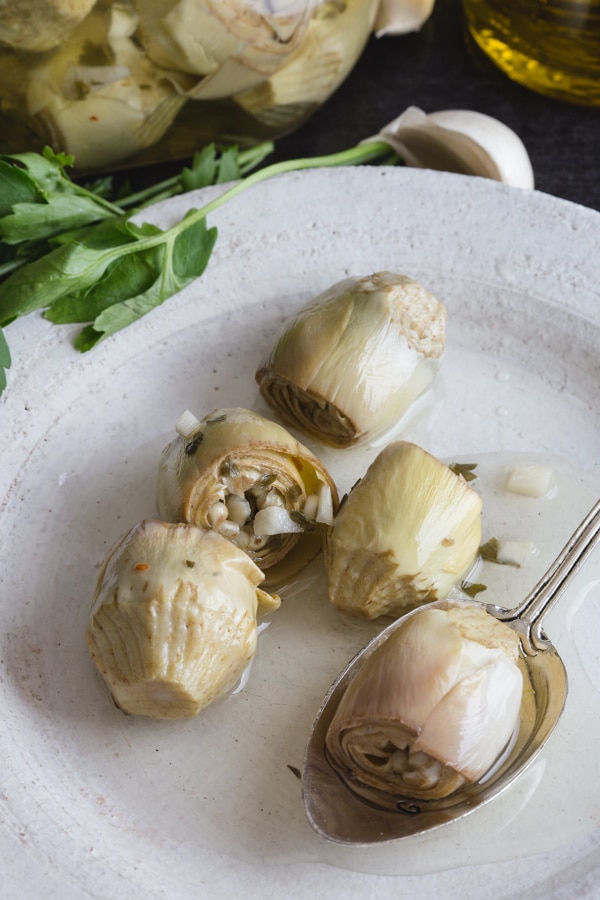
x=550 y=46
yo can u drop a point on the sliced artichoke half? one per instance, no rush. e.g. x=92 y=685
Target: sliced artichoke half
x=249 y=480
x=431 y=709
x=406 y=534
x=349 y=364
x=173 y=619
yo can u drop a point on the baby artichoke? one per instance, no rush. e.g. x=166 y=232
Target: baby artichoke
x=431 y=709
x=173 y=620
x=249 y=480
x=405 y=535
x=351 y=362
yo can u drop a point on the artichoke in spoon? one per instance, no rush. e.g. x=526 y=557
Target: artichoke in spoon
x=349 y=364
x=405 y=535
x=431 y=709
x=173 y=620
x=250 y=481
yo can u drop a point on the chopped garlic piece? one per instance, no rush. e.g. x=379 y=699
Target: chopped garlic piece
x=532 y=481
x=514 y=553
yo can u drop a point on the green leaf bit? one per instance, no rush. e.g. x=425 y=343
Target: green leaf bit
x=4 y=360
x=465 y=471
x=471 y=590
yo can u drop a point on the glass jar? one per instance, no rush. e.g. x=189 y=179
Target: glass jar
x=550 y=46
x=132 y=82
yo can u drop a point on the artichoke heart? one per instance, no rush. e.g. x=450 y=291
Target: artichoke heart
x=249 y=480
x=39 y=25
x=431 y=709
x=173 y=620
x=105 y=105
x=232 y=44
x=349 y=364
x=331 y=44
x=405 y=535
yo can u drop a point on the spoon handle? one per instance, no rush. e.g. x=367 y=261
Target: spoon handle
x=527 y=616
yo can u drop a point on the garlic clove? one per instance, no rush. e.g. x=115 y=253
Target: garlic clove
x=463 y=141
x=530 y=481
x=401 y=16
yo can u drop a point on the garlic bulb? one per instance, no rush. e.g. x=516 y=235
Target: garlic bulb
x=349 y=364
x=249 y=480
x=530 y=480
x=173 y=620
x=431 y=709
x=103 y=112
x=40 y=25
x=402 y=16
x=460 y=140
x=405 y=535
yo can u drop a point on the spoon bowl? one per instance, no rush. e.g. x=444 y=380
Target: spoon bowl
x=341 y=816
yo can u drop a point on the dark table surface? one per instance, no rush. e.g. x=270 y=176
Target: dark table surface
x=437 y=69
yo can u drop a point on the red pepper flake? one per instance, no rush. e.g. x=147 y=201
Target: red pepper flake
x=93 y=118
x=141 y=567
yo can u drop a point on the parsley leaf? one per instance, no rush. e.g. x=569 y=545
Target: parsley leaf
x=4 y=360
x=465 y=471
x=67 y=250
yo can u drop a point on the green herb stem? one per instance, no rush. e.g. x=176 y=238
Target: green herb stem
x=363 y=153
x=247 y=160
x=369 y=151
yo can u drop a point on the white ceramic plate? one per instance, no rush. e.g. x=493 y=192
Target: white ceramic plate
x=95 y=804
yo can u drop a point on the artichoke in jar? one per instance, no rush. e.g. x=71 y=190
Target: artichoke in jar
x=330 y=45
x=174 y=619
x=97 y=95
x=349 y=364
x=431 y=709
x=249 y=480
x=231 y=44
x=405 y=535
x=40 y=25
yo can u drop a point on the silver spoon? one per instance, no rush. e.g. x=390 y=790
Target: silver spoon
x=340 y=816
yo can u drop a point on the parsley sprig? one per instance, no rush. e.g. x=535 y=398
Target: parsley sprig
x=68 y=250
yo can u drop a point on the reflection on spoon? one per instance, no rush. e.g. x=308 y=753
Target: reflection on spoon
x=339 y=814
